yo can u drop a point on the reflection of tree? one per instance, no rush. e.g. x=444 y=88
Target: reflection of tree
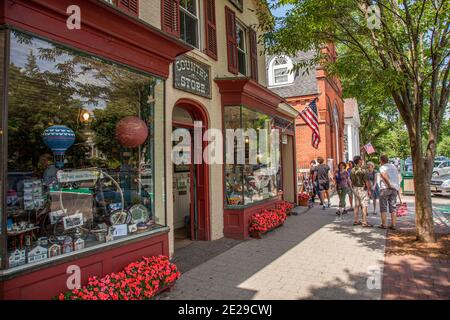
x=54 y=85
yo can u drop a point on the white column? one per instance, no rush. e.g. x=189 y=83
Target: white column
x=350 y=143
x=357 y=146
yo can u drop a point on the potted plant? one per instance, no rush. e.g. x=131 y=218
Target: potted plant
x=303 y=199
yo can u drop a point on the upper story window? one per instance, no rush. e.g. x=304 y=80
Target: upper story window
x=280 y=71
x=241 y=48
x=129 y=6
x=189 y=16
x=238 y=4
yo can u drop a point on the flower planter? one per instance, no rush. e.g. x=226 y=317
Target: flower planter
x=141 y=280
x=303 y=199
x=303 y=202
x=258 y=235
x=269 y=219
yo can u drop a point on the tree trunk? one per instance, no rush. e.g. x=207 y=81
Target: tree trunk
x=422 y=194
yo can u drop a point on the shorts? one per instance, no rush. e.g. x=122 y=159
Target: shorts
x=376 y=193
x=388 y=197
x=361 y=197
x=323 y=185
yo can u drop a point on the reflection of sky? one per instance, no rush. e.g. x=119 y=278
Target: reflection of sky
x=19 y=57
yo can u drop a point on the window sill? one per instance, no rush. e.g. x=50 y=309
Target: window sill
x=281 y=85
x=245 y=206
x=77 y=254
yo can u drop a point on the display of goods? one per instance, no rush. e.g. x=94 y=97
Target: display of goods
x=131 y=132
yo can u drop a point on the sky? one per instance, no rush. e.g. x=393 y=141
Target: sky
x=280 y=12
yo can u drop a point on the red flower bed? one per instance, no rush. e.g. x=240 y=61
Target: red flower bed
x=139 y=280
x=286 y=207
x=269 y=219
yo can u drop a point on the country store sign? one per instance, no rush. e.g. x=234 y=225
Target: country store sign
x=192 y=76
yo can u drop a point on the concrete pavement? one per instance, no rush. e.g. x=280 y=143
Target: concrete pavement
x=313 y=256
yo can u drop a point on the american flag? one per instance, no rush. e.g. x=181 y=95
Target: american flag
x=309 y=115
x=369 y=148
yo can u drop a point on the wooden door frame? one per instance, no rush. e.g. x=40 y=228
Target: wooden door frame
x=198 y=113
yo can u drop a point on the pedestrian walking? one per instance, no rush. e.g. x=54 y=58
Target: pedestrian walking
x=312 y=167
x=350 y=166
x=389 y=186
x=342 y=178
x=375 y=188
x=322 y=178
x=361 y=191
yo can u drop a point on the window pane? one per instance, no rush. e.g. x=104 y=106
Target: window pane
x=234 y=171
x=189 y=5
x=280 y=72
x=259 y=174
x=2 y=92
x=84 y=139
x=281 y=79
x=189 y=29
x=240 y=38
x=242 y=63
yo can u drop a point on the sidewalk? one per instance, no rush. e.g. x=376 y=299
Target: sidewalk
x=313 y=256
x=410 y=274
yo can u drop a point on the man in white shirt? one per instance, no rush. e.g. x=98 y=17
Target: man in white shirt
x=389 y=186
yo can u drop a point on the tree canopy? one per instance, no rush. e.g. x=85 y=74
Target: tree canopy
x=390 y=52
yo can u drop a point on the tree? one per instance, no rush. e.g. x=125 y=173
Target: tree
x=398 y=49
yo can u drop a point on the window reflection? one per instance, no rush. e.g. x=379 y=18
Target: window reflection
x=66 y=194
x=252 y=182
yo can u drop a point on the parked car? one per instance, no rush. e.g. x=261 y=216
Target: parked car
x=440 y=185
x=441 y=158
x=441 y=168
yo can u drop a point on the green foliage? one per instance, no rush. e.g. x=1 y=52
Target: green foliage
x=402 y=65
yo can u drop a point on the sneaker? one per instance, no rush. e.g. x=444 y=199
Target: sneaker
x=324 y=207
x=344 y=212
x=329 y=204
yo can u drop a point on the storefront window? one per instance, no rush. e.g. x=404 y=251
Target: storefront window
x=85 y=141
x=2 y=135
x=252 y=181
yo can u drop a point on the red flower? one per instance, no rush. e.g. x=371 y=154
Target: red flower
x=139 y=280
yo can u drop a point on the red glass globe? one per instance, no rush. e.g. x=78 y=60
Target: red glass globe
x=131 y=132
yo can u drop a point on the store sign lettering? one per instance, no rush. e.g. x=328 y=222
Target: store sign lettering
x=192 y=76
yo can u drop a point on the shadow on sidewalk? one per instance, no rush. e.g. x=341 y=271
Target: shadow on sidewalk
x=226 y=271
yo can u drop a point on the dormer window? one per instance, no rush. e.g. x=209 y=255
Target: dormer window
x=280 y=71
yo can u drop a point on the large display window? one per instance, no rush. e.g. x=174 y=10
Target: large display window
x=251 y=181
x=85 y=150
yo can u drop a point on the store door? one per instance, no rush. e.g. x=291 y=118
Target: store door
x=197 y=177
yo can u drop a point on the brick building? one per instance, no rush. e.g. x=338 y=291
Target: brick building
x=299 y=89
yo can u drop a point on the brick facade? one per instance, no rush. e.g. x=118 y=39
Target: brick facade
x=330 y=105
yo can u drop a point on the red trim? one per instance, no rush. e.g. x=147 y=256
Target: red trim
x=236 y=221
x=210 y=28
x=129 y=6
x=198 y=113
x=46 y=283
x=244 y=91
x=253 y=55
x=231 y=36
x=294 y=147
x=105 y=31
x=170 y=17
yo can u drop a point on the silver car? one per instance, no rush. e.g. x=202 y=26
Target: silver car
x=441 y=185
x=441 y=168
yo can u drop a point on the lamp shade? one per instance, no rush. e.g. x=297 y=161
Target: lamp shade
x=131 y=132
x=59 y=138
